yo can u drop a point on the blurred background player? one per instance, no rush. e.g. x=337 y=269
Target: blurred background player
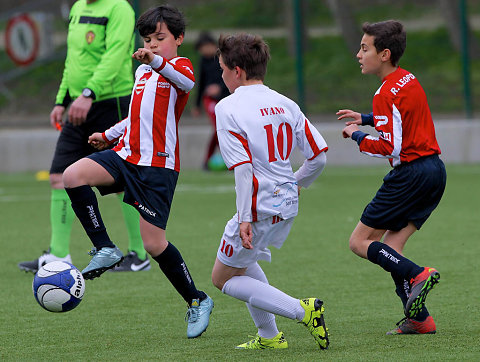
x=413 y=189
x=145 y=163
x=257 y=129
x=98 y=79
x=211 y=87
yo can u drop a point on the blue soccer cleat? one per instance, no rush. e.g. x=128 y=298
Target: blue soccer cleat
x=102 y=260
x=198 y=316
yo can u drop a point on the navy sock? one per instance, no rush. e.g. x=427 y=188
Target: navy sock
x=402 y=288
x=175 y=269
x=383 y=255
x=85 y=205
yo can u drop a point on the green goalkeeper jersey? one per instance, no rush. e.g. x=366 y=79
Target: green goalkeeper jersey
x=99 y=50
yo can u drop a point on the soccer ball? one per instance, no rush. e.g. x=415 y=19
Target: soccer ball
x=58 y=286
x=215 y=163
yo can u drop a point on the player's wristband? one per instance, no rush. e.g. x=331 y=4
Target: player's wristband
x=367 y=120
x=358 y=136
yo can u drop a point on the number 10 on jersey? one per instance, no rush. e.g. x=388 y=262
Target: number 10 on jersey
x=284 y=132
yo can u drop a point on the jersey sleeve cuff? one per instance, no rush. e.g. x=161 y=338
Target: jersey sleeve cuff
x=158 y=63
x=358 y=136
x=238 y=164
x=106 y=139
x=367 y=120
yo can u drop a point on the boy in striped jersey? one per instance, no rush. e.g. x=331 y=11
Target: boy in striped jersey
x=413 y=189
x=257 y=130
x=145 y=163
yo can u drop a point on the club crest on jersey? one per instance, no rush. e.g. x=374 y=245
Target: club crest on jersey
x=90 y=36
x=140 y=86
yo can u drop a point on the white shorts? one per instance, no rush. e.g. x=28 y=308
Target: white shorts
x=272 y=231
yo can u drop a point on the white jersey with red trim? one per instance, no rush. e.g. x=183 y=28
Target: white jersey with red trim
x=257 y=125
x=149 y=135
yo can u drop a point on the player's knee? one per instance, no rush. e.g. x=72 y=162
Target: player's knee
x=70 y=177
x=217 y=281
x=359 y=246
x=56 y=181
x=354 y=244
x=154 y=245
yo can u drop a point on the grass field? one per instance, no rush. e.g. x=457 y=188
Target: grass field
x=139 y=316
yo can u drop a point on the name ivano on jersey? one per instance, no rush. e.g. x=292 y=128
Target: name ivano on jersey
x=270 y=111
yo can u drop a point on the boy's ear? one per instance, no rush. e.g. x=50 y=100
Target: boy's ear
x=179 y=40
x=386 y=53
x=238 y=72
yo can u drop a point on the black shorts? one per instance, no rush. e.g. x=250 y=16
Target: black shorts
x=72 y=144
x=148 y=189
x=410 y=192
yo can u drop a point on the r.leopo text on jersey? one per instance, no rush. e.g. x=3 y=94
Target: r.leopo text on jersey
x=403 y=120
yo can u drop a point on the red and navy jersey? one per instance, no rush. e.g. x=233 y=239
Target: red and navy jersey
x=402 y=118
x=149 y=135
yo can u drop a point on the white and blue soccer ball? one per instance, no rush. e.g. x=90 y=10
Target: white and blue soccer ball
x=58 y=286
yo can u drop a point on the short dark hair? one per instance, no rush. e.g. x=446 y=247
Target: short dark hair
x=170 y=15
x=249 y=52
x=203 y=39
x=390 y=35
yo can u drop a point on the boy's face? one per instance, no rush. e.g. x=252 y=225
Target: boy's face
x=370 y=61
x=162 y=42
x=229 y=76
x=208 y=50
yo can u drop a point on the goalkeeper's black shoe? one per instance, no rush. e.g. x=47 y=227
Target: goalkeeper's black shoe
x=47 y=257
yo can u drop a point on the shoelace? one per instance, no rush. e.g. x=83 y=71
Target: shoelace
x=192 y=315
x=252 y=341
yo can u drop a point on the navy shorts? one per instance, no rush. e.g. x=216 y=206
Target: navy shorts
x=72 y=144
x=410 y=192
x=148 y=189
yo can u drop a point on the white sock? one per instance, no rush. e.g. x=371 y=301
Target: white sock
x=264 y=321
x=263 y=296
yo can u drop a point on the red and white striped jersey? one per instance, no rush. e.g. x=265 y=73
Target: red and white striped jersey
x=260 y=126
x=149 y=135
x=403 y=119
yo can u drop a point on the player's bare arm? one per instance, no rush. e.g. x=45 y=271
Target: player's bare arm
x=79 y=109
x=56 y=116
x=348 y=113
x=143 y=55
x=246 y=234
x=96 y=140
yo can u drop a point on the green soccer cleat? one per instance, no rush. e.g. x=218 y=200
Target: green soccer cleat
x=102 y=260
x=277 y=342
x=314 y=320
x=411 y=326
x=420 y=286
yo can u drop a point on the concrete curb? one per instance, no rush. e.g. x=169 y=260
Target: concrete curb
x=24 y=150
